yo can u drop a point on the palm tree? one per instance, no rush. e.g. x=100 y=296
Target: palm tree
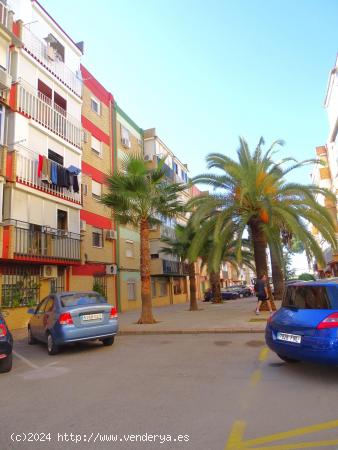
x=140 y=197
x=253 y=195
x=180 y=246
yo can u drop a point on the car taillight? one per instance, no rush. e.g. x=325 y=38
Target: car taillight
x=330 y=321
x=113 y=313
x=66 y=319
x=3 y=330
x=271 y=316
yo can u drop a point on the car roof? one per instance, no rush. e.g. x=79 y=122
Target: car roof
x=322 y=282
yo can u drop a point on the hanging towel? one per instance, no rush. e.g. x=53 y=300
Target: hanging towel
x=40 y=165
x=54 y=173
x=75 y=184
x=74 y=170
x=45 y=170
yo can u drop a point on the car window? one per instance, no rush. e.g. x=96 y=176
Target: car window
x=306 y=297
x=40 y=308
x=82 y=299
x=49 y=305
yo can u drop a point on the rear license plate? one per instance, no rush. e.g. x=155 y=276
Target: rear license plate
x=98 y=316
x=289 y=338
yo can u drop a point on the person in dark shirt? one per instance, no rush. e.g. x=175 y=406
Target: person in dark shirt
x=262 y=293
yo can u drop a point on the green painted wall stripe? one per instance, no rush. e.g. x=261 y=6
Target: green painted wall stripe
x=128 y=119
x=118 y=280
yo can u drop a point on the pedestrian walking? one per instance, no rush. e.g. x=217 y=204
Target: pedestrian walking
x=262 y=293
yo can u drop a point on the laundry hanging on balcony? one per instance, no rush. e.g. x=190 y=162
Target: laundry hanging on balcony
x=57 y=175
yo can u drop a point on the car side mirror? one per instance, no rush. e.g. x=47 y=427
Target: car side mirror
x=31 y=311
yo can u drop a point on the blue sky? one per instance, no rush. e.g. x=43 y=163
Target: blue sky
x=204 y=73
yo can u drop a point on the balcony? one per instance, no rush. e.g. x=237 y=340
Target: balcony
x=27 y=174
x=39 y=50
x=167 y=267
x=45 y=243
x=39 y=107
x=6 y=17
x=167 y=232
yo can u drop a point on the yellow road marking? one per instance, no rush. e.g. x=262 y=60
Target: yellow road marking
x=293 y=433
x=263 y=354
x=236 y=434
x=255 y=377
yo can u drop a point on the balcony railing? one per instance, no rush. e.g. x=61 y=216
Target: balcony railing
x=42 y=242
x=167 y=232
x=57 y=120
x=175 y=267
x=27 y=173
x=39 y=50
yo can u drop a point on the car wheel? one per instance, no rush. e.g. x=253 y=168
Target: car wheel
x=52 y=347
x=31 y=339
x=108 y=341
x=288 y=360
x=241 y=295
x=6 y=364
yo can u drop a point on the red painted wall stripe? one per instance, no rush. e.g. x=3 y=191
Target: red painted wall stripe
x=89 y=269
x=95 y=87
x=5 y=242
x=96 y=220
x=96 y=174
x=95 y=131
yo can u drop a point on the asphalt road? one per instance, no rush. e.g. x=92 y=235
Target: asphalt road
x=209 y=392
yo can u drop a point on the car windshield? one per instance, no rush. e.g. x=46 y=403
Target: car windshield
x=80 y=299
x=306 y=297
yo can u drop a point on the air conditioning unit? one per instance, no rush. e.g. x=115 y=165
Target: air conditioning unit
x=126 y=142
x=111 y=234
x=51 y=53
x=83 y=225
x=111 y=269
x=5 y=79
x=49 y=272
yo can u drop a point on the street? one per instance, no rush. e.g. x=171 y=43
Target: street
x=206 y=391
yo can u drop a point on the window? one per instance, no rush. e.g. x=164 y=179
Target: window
x=154 y=256
x=163 y=288
x=125 y=139
x=2 y=124
x=55 y=49
x=62 y=219
x=53 y=156
x=131 y=287
x=100 y=284
x=96 y=190
x=4 y=53
x=97 y=237
x=175 y=167
x=20 y=285
x=153 y=287
x=177 y=286
x=306 y=297
x=130 y=249
x=96 y=146
x=60 y=103
x=95 y=105
x=45 y=92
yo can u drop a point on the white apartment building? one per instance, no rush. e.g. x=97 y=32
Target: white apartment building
x=42 y=148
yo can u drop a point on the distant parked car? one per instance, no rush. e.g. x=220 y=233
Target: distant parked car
x=242 y=290
x=305 y=328
x=225 y=294
x=6 y=346
x=68 y=317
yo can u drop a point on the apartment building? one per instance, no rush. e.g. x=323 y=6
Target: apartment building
x=98 y=269
x=129 y=140
x=327 y=175
x=169 y=275
x=41 y=154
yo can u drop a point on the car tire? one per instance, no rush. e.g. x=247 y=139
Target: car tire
x=6 y=364
x=108 y=341
x=30 y=338
x=52 y=347
x=288 y=360
x=241 y=295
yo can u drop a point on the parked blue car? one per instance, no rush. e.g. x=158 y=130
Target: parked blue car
x=68 y=317
x=306 y=326
x=6 y=346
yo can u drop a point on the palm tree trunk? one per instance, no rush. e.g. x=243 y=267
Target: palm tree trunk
x=192 y=283
x=259 y=245
x=277 y=275
x=146 y=313
x=215 y=287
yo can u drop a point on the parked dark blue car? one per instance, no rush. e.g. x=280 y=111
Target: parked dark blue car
x=68 y=317
x=6 y=346
x=306 y=326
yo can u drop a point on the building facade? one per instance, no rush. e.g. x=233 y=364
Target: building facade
x=129 y=140
x=42 y=158
x=326 y=175
x=98 y=267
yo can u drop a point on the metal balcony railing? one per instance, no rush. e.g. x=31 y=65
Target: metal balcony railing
x=42 y=242
x=175 y=267
x=39 y=50
x=167 y=232
x=27 y=173
x=39 y=108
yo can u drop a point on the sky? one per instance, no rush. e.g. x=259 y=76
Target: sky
x=205 y=72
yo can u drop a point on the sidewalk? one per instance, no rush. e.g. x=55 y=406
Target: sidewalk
x=232 y=316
